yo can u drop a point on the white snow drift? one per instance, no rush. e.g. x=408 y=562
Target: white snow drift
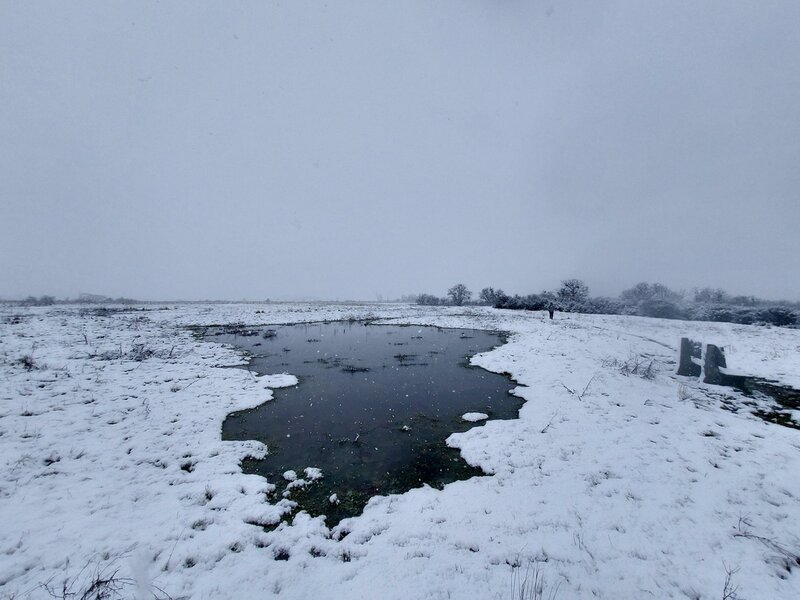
x=609 y=484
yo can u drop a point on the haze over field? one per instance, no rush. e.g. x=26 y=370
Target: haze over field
x=198 y=150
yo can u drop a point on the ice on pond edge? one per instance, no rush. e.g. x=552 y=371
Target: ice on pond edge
x=279 y=380
x=474 y=417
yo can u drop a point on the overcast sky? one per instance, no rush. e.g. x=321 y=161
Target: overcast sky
x=344 y=150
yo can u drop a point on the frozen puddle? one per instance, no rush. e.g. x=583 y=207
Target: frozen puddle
x=371 y=412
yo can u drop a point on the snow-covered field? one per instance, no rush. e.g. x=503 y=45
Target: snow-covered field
x=608 y=485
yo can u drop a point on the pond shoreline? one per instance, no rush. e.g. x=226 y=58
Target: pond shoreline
x=435 y=463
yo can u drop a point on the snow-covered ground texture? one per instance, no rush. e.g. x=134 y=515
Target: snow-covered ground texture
x=609 y=485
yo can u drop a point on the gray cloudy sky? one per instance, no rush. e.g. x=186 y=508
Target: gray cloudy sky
x=343 y=150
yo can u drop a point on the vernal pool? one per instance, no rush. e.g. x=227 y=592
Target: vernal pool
x=372 y=409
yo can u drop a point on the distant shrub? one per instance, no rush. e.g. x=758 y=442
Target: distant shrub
x=720 y=314
x=745 y=300
x=429 y=300
x=644 y=291
x=710 y=295
x=490 y=296
x=601 y=306
x=512 y=302
x=40 y=301
x=778 y=315
x=500 y=300
x=517 y=302
x=662 y=309
x=745 y=316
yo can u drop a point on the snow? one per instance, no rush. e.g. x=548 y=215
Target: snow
x=313 y=473
x=612 y=486
x=474 y=417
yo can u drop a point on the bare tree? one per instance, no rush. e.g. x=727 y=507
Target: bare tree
x=573 y=290
x=644 y=291
x=641 y=291
x=459 y=294
x=708 y=294
x=489 y=295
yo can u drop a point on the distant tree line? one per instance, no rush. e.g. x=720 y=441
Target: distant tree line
x=643 y=299
x=706 y=304
x=40 y=301
x=81 y=299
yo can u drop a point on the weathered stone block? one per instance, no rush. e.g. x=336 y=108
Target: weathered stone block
x=715 y=358
x=686 y=366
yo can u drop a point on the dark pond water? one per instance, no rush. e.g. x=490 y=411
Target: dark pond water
x=372 y=410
